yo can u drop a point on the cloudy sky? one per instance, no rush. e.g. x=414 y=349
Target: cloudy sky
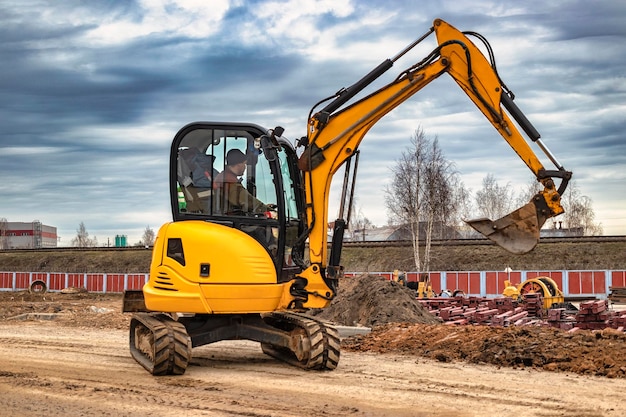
x=91 y=94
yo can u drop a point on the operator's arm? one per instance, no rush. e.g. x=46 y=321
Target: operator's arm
x=238 y=196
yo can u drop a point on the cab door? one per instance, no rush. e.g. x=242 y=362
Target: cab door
x=221 y=173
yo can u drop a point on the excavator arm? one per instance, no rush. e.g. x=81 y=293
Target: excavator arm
x=334 y=134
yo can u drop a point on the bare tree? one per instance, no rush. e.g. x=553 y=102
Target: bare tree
x=403 y=195
x=148 y=237
x=463 y=208
x=494 y=200
x=439 y=196
x=528 y=191
x=579 y=216
x=422 y=194
x=82 y=239
x=359 y=225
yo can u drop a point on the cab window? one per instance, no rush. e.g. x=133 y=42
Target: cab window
x=223 y=173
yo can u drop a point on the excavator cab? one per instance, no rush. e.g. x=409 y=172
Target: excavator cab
x=229 y=265
x=241 y=194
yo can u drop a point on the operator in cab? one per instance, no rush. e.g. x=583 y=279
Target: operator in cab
x=233 y=197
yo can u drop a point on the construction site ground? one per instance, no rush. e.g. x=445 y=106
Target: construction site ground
x=67 y=354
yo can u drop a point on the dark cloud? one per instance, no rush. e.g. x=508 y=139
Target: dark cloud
x=87 y=114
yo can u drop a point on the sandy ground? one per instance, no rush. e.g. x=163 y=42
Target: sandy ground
x=48 y=369
x=78 y=364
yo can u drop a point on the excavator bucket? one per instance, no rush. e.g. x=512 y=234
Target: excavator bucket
x=517 y=232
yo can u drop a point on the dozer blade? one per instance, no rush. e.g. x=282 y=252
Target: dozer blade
x=517 y=232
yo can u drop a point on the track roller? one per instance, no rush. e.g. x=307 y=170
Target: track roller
x=159 y=343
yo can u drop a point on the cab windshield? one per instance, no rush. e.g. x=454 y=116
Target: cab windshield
x=224 y=173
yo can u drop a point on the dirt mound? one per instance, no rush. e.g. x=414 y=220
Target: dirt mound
x=370 y=300
x=601 y=353
x=80 y=309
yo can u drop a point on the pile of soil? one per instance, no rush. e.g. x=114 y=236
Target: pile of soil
x=601 y=353
x=370 y=300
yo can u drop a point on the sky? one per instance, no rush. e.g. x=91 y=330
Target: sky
x=92 y=93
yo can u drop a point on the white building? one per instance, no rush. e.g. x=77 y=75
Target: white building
x=21 y=235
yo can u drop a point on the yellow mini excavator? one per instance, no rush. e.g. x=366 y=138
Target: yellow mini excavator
x=233 y=262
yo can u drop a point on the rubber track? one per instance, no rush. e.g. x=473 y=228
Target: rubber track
x=170 y=344
x=323 y=337
x=331 y=342
x=332 y=349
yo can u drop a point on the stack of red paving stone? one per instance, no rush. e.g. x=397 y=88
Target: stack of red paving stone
x=502 y=311
x=505 y=311
x=534 y=304
x=514 y=317
x=618 y=321
x=559 y=318
x=593 y=315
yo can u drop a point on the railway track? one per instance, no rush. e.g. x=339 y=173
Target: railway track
x=361 y=244
x=482 y=241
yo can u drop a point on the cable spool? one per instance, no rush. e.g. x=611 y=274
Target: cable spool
x=38 y=287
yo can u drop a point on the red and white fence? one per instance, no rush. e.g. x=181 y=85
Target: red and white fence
x=56 y=281
x=491 y=283
x=474 y=283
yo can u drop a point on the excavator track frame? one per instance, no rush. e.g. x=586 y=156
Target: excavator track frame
x=163 y=345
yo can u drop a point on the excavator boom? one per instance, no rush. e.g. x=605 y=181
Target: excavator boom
x=335 y=133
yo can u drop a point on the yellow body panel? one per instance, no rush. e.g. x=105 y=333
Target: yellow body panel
x=319 y=293
x=239 y=276
x=243 y=298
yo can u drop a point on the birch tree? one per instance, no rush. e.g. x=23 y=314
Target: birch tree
x=402 y=196
x=422 y=194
